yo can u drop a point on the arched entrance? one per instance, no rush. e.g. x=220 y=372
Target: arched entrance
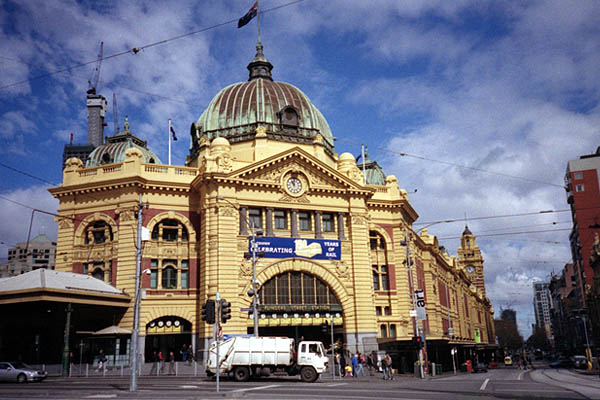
x=166 y=334
x=299 y=305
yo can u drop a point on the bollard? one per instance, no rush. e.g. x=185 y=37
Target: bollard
x=195 y=368
x=87 y=370
x=121 y=369
x=176 y=368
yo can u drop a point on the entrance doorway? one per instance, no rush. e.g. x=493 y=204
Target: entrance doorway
x=299 y=333
x=166 y=334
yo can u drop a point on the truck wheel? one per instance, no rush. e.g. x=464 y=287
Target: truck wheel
x=210 y=374
x=241 y=374
x=308 y=374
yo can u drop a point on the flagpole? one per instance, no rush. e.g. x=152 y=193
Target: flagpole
x=169 y=134
x=363 y=165
x=258 y=19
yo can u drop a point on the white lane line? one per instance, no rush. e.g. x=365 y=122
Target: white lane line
x=101 y=396
x=337 y=384
x=255 y=388
x=484 y=384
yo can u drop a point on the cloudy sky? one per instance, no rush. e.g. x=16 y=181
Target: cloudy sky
x=487 y=100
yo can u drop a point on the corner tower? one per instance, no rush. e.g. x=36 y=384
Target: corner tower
x=470 y=258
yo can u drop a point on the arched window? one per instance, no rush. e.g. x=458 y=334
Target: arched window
x=98 y=232
x=170 y=230
x=289 y=118
x=376 y=241
x=296 y=288
x=106 y=159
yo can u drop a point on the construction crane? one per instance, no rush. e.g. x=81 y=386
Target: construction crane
x=93 y=83
x=115 y=113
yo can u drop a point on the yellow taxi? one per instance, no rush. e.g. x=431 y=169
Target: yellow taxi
x=508 y=360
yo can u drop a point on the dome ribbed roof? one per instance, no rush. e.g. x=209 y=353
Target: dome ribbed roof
x=113 y=151
x=237 y=110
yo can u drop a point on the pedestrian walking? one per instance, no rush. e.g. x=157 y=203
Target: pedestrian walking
x=371 y=363
x=387 y=367
x=354 y=364
x=342 y=364
x=161 y=366
x=190 y=355
x=360 y=364
x=102 y=360
x=171 y=363
x=154 y=363
x=183 y=352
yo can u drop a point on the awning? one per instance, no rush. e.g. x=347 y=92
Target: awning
x=112 y=330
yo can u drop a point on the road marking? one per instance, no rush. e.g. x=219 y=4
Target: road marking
x=484 y=384
x=189 y=387
x=255 y=388
x=337 y=384
x=101 y=396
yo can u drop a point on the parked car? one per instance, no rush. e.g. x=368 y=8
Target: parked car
x=20 y=372
x=562 y=363
x=508 y=360
x=479 y=368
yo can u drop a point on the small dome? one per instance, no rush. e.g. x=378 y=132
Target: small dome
x=219 y=142
x=346 y=157
x=115 y=149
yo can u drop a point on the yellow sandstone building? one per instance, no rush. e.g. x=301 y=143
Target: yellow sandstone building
x=335 y=239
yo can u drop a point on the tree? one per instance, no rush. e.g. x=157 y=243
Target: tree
x=508 y=335
x=538 y=339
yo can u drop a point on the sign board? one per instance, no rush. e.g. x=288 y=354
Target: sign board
x=280 y=247
x=412 y=313
x=420 y=305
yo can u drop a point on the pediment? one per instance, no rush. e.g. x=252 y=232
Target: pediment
x=275 y=169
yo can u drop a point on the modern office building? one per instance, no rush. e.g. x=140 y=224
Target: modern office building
x=39 y=252
x=542 y=303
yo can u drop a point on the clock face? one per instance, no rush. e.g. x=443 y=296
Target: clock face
x=294 y=185
x=470 y=269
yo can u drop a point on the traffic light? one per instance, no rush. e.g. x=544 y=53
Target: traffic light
x=208 y=312
x=418 y=342
x=225 y=310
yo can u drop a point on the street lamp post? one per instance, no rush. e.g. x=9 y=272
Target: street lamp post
x=588 y=355
x=253 y=292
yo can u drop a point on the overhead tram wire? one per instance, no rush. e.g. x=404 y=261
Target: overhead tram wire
x=491 y=217
x=454 y=164
x=509 y=233
x=136 y=50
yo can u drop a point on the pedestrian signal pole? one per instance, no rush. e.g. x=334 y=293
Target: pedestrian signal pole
x=216 y=335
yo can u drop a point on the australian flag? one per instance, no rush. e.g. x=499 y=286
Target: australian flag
x=249 y=15
x=173 y=132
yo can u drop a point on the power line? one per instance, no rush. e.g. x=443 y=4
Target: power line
x=509 y=233
x=491 y=217
x=454 y=164
x=136 y=50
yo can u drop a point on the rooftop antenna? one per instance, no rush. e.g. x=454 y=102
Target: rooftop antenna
x=93 y=82
x=115 y=113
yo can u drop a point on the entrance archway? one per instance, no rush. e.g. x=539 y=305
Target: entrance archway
x=166 y=334
x=299 y=305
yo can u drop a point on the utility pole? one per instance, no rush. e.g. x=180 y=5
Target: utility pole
x=65 y=359
x=414 y=298
x=133 y=352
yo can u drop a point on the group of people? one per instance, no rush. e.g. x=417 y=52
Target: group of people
x=158 y=363
x=358 y=362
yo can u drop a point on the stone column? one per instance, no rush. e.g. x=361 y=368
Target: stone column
x=294 y=223
x=318 y=230
x=243 y=220
x=340 y=220
x=270 y=221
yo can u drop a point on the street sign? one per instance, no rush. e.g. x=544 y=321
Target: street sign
x=412 y=313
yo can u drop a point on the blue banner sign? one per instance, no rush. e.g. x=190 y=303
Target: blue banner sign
x=315 y=249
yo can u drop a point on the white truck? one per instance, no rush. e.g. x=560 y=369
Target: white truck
x=243 y=357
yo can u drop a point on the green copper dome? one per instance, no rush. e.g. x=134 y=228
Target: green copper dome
x=283 y=109
x=113 y=151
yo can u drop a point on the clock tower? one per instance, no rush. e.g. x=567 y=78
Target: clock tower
x=469 y=258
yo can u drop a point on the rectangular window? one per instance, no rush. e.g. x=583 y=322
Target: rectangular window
x=578 y=175
x=384 y=278
x=328 y=225
x=321 y=292
x=579 y=188
x=185 y=265
x=280 y=219
x=393 y=330
x=255 y=217
x=387 y=310
x=296 y=287
x=383 y=331
x=304 y=223
x=375 y=278
x=378 y=310
x=85 y=268
x=153 y=278
x=283 y=296
x=309 y=289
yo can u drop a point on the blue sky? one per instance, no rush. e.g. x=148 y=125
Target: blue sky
x=500 y=86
